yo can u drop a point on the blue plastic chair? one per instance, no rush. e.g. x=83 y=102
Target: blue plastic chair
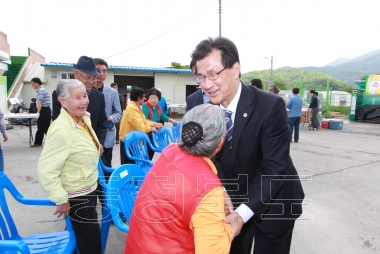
x=13 y=246
x=162 y=139
x=106 y=214
x=121 y=193
x=136 y=148
x=10 y=240
x=176 y=131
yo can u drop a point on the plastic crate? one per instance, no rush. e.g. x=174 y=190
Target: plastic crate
x=325 y=123
x=336 y=124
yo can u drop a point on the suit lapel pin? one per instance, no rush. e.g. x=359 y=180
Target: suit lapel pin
x=245 y=114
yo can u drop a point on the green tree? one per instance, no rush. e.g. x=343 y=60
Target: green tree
x=179 y=66
x=281 y=85
x=347 y=89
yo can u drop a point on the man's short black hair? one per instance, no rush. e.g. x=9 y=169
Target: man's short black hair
x=257 y=83
x=312 y=91
x=36 y=80
x=228 y=51
x=192 y=64
x=114 y=84
x=136 y=94
x=100 y=61
x=296 y=90
x=316 y=93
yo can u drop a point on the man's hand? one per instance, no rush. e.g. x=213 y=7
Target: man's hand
x=236 y=222
x=37 y=115
x=110 y=119
x=63 y=210
x=101 y=150
x=228 y=206
x=5 y=138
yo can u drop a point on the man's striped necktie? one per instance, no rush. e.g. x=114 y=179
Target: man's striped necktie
x=230 y=128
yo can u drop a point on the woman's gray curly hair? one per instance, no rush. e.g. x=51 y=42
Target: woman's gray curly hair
x=212 y=119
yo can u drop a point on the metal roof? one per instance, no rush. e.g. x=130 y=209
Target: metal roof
x=122 y=68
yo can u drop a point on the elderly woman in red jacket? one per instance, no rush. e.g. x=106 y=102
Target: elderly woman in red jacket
x=180 y=207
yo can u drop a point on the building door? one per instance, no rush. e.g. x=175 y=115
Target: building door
x=191 y=89
x=132 y=81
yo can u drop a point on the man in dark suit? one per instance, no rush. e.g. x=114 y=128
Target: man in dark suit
x=256 y=82
x=121 y=100
x=85 y=71
x=198 y=97
x=254 y=164
x=56 y=105
x=194 y=99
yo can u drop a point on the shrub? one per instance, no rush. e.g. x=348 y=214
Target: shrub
x=344 y=110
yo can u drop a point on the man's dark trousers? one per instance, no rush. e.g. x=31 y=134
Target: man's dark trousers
x=43 y=124
x=84 y=218
x=273 y=243
x=294 y=123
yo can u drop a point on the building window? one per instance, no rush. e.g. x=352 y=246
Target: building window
x=66 y=75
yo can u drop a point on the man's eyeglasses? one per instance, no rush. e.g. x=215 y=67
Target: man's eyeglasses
x=211 y=76
x=89 y=78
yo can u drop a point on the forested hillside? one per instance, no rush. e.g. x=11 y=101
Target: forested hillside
x=342 y=73
x=288 y=78
x=353 y=69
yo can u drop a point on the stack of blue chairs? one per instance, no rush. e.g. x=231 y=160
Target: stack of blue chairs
x=106 y=214
x=162 y=138
x=136 y=148
x=176 y=131
x=120 y=194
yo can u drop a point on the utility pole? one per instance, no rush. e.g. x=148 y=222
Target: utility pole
x=220 y=18
x=269 y=79
x=271 y=70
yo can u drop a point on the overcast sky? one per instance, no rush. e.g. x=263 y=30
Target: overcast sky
x=297 y=33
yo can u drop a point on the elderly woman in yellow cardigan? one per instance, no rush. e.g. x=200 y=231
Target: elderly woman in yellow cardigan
x=134 y=119
x=67 y=168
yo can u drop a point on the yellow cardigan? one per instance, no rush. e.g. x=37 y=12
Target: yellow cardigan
x=211 y=233
x=133 y=119
x=68 y=164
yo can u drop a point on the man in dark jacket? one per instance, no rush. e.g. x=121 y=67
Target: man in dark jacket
x=254 y=164
x=313 y=107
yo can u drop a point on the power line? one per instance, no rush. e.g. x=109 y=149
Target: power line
x=142 y=44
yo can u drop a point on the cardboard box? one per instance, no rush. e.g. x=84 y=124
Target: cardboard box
x=305 y=117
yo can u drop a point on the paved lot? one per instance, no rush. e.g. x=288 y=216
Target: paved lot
x=341 y=181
